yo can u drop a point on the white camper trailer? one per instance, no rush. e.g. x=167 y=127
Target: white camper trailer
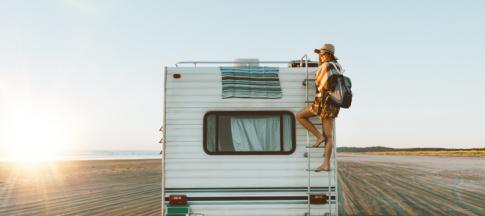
x=225 y=155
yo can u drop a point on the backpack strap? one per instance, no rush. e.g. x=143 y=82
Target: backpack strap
x=337 y=67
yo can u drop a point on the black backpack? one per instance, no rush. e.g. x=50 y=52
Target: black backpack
x=339 y=89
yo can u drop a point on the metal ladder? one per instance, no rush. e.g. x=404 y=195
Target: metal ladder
x=309 y=147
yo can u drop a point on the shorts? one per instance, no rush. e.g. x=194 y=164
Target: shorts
x=323 y=108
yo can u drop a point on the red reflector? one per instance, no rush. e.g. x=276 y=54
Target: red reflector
x=177 y=199
x=176 y=75
x=318 y=199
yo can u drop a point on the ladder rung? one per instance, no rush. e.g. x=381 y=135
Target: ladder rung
x=309 y=101
x=305 y=81
x=319 y=147
x=321 y=193
x=315 y=193
x=315 y=214
x=315 y=170
x=313 y=156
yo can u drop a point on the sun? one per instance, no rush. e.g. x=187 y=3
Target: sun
x=34 y=137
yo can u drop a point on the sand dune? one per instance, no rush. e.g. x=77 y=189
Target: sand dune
x=370 y=185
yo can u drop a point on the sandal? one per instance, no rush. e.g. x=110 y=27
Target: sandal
x=317 y=144
x=320 y=170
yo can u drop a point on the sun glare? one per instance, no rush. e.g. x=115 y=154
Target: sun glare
x=35 y=138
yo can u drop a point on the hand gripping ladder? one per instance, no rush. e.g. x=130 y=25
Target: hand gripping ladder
x=309 y=148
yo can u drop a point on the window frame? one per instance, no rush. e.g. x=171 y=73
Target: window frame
x=248 y=113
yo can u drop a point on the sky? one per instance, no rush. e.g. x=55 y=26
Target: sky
x=87 y=75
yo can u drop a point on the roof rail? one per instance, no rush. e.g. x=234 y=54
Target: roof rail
x=227 y=62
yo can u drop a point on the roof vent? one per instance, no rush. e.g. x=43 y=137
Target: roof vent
x=246 y=62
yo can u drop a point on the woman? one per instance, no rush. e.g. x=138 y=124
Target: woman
x=327 y=65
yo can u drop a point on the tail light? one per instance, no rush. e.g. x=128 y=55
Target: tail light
x=318 y=199
x=177 y=200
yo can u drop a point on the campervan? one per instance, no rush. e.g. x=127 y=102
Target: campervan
x=231 y=144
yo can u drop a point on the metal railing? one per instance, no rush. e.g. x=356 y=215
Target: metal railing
x=195 y=63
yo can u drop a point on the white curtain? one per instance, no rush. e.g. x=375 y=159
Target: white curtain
x=256 y=133
x=211 y=132
x=287 y=132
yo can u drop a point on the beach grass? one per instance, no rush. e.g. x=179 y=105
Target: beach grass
x=466 y=153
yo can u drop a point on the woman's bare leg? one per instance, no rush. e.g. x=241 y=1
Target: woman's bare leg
x=327 y=125
x=302 y=117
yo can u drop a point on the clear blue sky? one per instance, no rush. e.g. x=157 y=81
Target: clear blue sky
x=92 y=70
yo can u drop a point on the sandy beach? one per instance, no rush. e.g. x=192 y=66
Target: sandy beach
x=113 y=187
x=369 y=185
x=411 y=185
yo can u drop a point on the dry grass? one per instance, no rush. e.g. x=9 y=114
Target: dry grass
x=466 y=153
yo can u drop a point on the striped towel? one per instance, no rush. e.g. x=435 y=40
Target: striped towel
x=250 y=82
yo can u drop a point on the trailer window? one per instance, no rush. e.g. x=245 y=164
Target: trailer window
x=249 y=132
